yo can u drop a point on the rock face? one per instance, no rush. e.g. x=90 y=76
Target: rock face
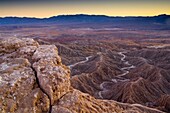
x=33 y=80
x=19 y=91
x=53 y=77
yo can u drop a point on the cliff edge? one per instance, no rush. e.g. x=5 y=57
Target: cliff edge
x=34 y=80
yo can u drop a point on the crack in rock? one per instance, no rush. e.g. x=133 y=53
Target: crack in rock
x=37 y=81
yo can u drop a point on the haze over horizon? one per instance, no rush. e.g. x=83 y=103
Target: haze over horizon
x=44 y=9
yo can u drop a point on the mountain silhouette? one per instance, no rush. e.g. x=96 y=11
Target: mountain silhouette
x=82 y=18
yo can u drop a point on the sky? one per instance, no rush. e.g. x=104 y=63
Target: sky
x=48 y=8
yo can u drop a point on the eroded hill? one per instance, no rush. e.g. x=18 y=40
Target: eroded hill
x=34 y=80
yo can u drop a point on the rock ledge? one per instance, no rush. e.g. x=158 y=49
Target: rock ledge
x=34 y=80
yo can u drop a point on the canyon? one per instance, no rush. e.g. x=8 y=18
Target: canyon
x=115 y=66
x=33 y=79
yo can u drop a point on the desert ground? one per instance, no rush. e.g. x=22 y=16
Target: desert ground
x=110 y=62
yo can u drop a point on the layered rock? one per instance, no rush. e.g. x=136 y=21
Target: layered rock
x=33 y=80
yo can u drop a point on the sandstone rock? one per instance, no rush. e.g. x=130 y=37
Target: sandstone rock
x=17 y=48
x=59 y=109
x=17 y=82
x=54 y=78
x=33 y=80
x=46 y=52
x=78 y=102
x=36 y=102
x=17 y=79
x=12 y=44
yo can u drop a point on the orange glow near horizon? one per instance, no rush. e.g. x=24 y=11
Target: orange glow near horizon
x=110 y=9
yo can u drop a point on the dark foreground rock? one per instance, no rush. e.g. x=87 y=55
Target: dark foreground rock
x=33 y=80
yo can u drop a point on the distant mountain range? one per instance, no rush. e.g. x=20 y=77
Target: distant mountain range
x=81 y=18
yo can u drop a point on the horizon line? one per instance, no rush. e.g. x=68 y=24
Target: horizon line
x=80 y=14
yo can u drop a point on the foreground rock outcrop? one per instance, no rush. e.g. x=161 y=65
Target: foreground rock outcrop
x=33 y=80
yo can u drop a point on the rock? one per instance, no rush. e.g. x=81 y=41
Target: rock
x=78 y=102
x=17 y=82
x=59 y=109
x=36 y=102
x=12 y=44
x=17 y=79
x=34 y=80
x=54 y=78
x=46 y=52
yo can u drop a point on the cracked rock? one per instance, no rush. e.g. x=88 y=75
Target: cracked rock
x=33 y=80
x=54 y=78
x=19 y=90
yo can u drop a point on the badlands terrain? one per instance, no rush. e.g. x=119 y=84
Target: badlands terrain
x=73 y=68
